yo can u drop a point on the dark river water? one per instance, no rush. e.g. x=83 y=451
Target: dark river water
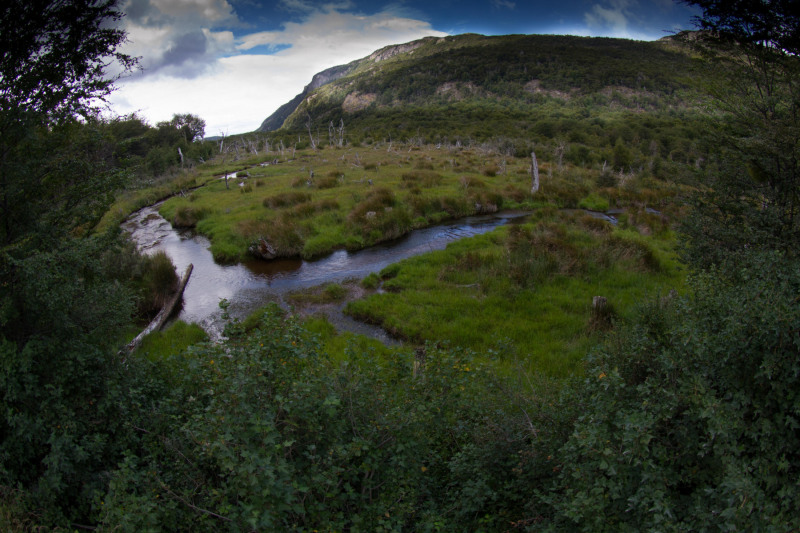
x=251 y=285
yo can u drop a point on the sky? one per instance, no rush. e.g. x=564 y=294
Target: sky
x=234 y=62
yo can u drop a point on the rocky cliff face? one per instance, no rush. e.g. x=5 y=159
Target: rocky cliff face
x=275 y=121
x=391 y=51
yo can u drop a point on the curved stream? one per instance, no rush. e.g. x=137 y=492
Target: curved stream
x=252 y=284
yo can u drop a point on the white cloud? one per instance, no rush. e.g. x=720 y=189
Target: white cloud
x=504 y=4
x=615 y=18
x=235 y=92
x=175 y=36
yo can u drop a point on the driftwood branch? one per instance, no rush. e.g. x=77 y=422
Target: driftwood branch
x=162 y=316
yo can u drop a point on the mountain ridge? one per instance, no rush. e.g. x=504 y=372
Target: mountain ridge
x=329 y=75
x=522 y=88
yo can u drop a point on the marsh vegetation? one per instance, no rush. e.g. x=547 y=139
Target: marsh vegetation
x=563 y=373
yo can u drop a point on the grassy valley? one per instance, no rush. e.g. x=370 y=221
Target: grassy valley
x=631 y=147
x=623 y=357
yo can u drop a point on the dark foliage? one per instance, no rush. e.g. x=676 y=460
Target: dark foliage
x=55 y=55
x=772 y=23
x=689 y=417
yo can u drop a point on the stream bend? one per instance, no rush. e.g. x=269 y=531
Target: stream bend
x=254 y=283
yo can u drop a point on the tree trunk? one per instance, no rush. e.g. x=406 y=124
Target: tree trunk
x=162 y=316
x=534 y=174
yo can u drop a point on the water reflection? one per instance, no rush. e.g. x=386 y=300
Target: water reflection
x=253 y=284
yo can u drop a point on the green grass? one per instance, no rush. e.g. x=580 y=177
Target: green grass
x=341 y=346
x=523 y=295
x=173 y=340
x=330 y=293
x=489 y=293
x=348 y=206
x=593 y=202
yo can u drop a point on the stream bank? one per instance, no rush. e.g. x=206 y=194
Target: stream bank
x=253 y=284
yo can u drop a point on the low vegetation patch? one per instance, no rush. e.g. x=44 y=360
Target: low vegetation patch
x=286 y=199
x=523 y=292
x=188 y=216
x=173 y=340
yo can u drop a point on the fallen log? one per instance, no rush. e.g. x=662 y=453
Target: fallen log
x=162 y=316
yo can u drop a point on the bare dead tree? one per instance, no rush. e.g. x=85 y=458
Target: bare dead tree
x=534 y=173
x=310 y=134
x=340 y=133
x=221 y=141
x=252 y=145
x=181 y=155
x=559 y=153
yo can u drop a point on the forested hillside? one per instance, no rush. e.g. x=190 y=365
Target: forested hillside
x=512 y=404
x=534 y=87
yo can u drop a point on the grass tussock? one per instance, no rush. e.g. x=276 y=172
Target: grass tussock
x=330 y=293
x=283 y=235
x=416 y=188
x=188 y=216
x=286 y=199
x=377 y=200
x=327 y=182
x=307 y=209
x=158 y=282
x=424 y=179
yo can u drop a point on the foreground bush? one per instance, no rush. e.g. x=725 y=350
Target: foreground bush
x=691 y=417
x=267 y=434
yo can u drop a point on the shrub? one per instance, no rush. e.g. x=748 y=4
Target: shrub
x=593 y=202
x=300 y=181
x=684 y=426
x=273 y=424
x=606 y=179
